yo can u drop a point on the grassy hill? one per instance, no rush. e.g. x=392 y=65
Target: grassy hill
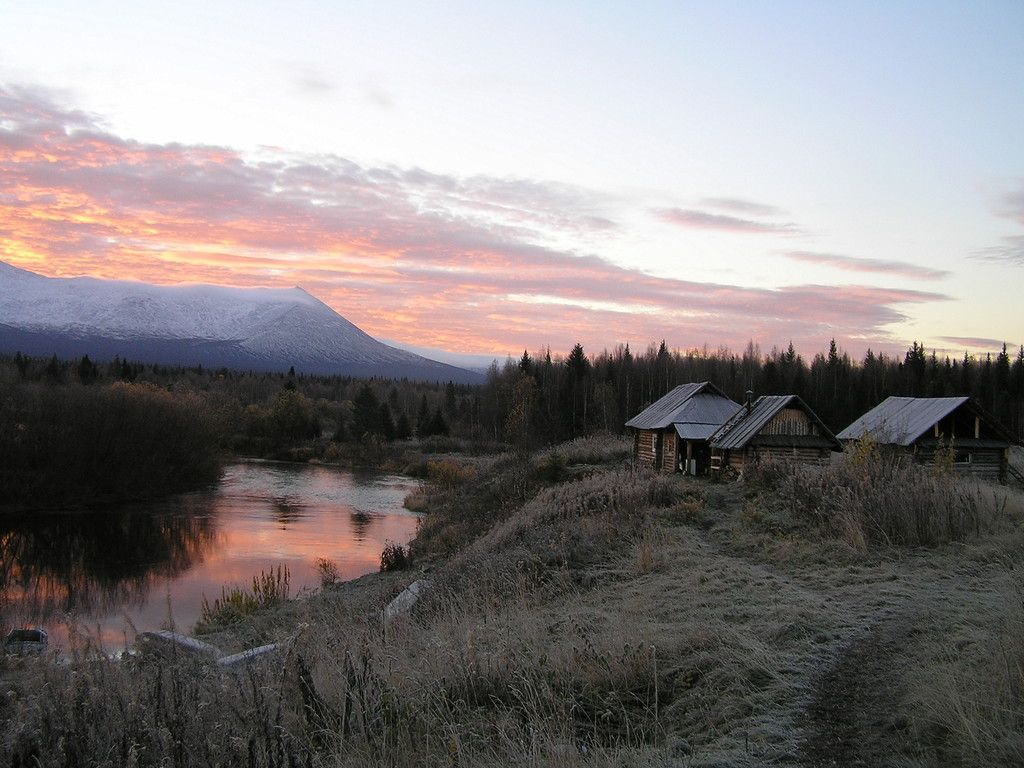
x=583 y=613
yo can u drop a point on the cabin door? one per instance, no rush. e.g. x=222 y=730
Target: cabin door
x=702 y=456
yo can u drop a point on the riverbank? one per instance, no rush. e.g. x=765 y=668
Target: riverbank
x=581 y=613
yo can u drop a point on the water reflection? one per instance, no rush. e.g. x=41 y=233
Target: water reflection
x=146 y=565
x=84 y=563
x=360 y=525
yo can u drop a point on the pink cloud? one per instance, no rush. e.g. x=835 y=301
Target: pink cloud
x=695 y=219
x=976 y=342
x=859 y=264
x=432 y=259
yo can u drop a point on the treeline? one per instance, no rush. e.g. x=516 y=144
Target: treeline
x=538 y=399
x=272 y=415
x=556 y=398
x=74 y=445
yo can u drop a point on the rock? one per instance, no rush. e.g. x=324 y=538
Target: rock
x=405 y=600
x=30 y=640
x=240 y=659
x=166 y=642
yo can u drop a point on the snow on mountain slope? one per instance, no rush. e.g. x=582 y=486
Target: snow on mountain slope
x=260 y=328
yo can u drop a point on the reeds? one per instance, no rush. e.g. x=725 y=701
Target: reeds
x=269 y=588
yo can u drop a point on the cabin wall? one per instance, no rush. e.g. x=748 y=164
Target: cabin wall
x=982 y=463
x=669 y=452
x=737 y=460
x=645 y=447
x=803 y=455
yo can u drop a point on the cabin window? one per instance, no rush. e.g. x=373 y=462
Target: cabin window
x=961 y=457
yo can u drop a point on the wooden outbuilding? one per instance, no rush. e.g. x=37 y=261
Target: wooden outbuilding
x=775 y=426
x=671 y=434
x=920 y=426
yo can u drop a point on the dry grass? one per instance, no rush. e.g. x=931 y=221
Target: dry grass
x=970 y=700
x=869 y=499
x=622 y=618
x=604 y=448
x=269 y=588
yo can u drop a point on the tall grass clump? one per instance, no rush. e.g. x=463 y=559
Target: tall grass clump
x=141 y=713
x=973 y=714
x=269 y=588
x=600 y=448
x=872 y=498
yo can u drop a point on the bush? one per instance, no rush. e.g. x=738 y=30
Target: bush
x=602 y=448
x=394 y=557
x=328 y=570
x=871 y=498
x=551 y=467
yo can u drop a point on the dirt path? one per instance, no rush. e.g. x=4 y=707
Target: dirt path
x=855 y=703
x=858 y=713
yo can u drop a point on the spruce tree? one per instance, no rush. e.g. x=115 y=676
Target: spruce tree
x=366 y=414
x=387 y=424
x=403 y=429
x=423 y=418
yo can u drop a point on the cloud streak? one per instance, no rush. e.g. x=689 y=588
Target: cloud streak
x=1010 y=249
x=736 y=205
x=859 y=264
x=696 y=219
x=976 y=342
x=466 y=263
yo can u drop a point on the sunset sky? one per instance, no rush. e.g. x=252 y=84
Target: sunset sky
x=484 y=178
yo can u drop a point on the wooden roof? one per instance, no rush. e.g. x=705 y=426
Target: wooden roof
x=697 y=403
x=903 y=420
x=745 y=425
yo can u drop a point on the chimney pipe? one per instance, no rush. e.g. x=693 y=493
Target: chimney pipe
x=750 y=400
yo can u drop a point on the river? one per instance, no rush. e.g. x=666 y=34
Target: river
x=103 y=575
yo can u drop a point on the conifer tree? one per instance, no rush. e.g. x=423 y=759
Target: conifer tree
x=387 y=424
x=366 y=414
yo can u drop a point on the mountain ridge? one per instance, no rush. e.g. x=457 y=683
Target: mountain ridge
x=269 y=329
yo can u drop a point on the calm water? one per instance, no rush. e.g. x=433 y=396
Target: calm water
x=111 y=570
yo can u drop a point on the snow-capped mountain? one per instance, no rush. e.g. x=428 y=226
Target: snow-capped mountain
x=246 y=328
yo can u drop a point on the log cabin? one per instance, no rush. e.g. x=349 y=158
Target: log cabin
x=920 y=426
x=775 y=426
x=671 y=434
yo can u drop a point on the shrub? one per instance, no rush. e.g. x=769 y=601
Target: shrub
x=602 y=448
x=394 y=557
x=448 y=473
x=328 y=570
x=871 y=498
x=551 y=467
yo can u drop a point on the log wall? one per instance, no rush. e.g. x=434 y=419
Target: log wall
x=668 y=452
x=982 y=463
x=645 y=448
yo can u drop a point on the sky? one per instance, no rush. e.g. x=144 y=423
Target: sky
x=483 y=178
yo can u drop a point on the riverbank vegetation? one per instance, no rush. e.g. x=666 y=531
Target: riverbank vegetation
x=74 y=446
x=583 y=613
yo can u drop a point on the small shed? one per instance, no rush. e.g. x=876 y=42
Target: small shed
x=671 y=434
x=922 y=425
x=776 y=426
